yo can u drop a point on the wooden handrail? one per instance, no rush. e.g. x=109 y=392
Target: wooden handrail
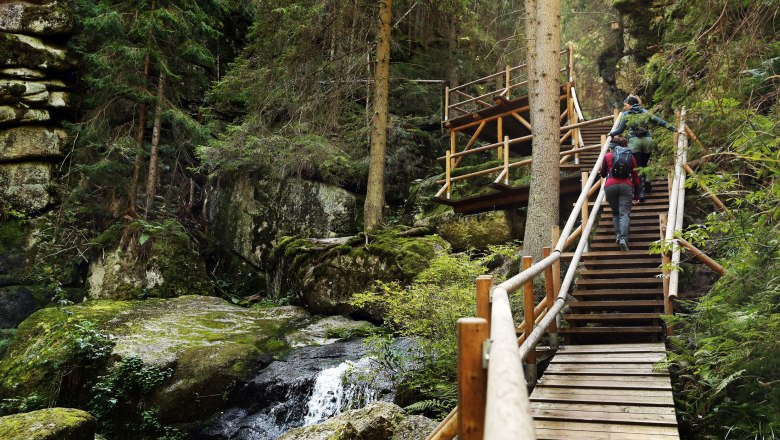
x=676 y=203
x=525 y=138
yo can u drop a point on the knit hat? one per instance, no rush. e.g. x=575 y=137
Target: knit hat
x=618 y=141
x=631 y=100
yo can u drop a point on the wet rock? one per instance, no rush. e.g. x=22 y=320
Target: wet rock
x=31 y=142
x=377 y=421
x=24 y=186
x=414 y=428
x=40 y=18
x=49 y=424
x=18 y=50
x=328 y=330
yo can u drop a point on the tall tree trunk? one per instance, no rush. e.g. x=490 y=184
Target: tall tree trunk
x=375 y=189
x=544 y=195
x=452 y=47
x=530 y=57
x=139 y=137
x=139 y=144
x=151 y=181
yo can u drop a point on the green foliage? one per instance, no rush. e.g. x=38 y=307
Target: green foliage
x=117 y=400
x=428 y=310
x=726 y=349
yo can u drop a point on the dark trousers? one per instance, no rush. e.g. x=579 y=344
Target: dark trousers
x=619 y=198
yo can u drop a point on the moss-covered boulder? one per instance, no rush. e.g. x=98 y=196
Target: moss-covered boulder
x=53 y=17
x=324 y=277
x=11 y=115
x=478 y=231
x=49 y=424
x=30 y=143
x=378 y=421
x=158 y=260
x=208 y=344
x=24 y=187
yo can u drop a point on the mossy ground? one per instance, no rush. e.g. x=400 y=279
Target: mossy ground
x=48 y=424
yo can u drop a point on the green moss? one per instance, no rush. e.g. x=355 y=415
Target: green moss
x=13 y=234
x=48 y=424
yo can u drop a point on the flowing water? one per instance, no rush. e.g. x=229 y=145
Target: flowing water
x=311 y=385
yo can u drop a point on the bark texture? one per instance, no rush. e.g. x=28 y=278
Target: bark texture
x=151 y=182
x=543 y=202
x=375 y=189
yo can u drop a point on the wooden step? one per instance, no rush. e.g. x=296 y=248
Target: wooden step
x=619 y=305
x=611 y=317
x=609 y=246
x=641 y=207
x=610 y=330
x=633 y=236
x=609 y=254
x=618 y=282
x=636 y=215
x=618 y=294
x=631 y=262
x=620 y=273
x=635 y=221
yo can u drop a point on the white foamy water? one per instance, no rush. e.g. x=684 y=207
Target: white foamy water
x=343 y=387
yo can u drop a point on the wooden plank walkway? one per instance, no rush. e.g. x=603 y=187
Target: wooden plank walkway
x=605 y=391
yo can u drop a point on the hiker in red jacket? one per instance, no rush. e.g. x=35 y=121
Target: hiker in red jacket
x=621 y=187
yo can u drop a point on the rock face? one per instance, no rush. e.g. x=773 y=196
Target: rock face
x=250 y=214
x=378 y=421
x=33 y=99
x=49 y=424
x=324 y=278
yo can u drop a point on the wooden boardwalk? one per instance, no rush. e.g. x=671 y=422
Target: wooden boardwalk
x=605 y=391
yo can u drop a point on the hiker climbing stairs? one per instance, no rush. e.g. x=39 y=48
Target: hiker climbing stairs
x=619 y=296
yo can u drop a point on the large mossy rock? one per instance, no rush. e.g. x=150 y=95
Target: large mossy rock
x=52 y=17
x=323 y=278
x=49 y=424
x=378 y=421
x=208 y=343
x=479 y=231
x=249 y=214
x=162 y=263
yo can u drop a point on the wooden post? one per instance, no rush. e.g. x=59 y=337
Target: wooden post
x=446 y=103
x=506 y=160
x=472 y=378
x=616 y=114
x=665 y=261
x=453 y=147
x=448 y=172
x=528 y=303
x=506 y=82
x=585 y=176
x=550 y=293
x=484 y=284
x=500 y=122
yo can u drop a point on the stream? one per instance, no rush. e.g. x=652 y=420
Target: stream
x=309 y=386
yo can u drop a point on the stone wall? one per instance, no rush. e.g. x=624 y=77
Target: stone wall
x=34 y=100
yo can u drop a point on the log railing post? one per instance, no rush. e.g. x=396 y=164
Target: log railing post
x=484 y=284
x=472 y=378
x=448 y=175
x=665 y=260
x=506 y=82
x=447 y=103
x=550 y=294
x=453 y=146
x=506 y=160
x=585 y=176
x=500 y=129
x=528 y=304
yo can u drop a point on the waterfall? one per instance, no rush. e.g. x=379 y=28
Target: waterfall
x=341 y=388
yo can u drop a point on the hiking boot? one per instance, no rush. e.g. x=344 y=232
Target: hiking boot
x=623 y=244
